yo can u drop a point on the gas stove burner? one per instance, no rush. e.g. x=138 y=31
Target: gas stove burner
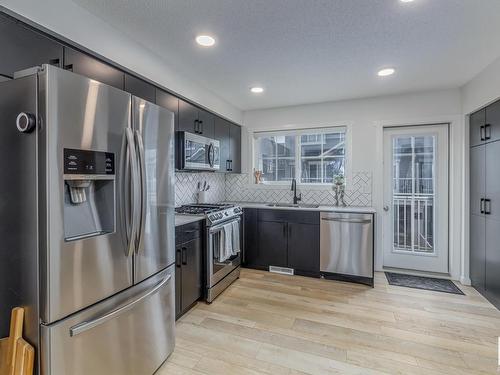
x=214 y=212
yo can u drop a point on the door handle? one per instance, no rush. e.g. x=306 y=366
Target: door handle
x=132 y=200
x=481 y=206
x=143 y=195
x=184 y=255
x=85 y=326
x=487 y=132
x=487 y=206
x=178 y=258
x=386 y=208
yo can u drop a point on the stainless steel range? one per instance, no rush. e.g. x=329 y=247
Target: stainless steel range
x=220 y=270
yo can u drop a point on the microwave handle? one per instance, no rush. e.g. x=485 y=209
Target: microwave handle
x=211 y=154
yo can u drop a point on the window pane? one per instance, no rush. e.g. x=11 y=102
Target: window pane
x=311 y=171
x=266 y=147
x=332 y=167
x=269 y=169
x=334 y=144
x=286 y=169
x=286 y=145
x=310 y=144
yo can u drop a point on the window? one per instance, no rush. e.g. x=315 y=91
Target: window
x=313 y=156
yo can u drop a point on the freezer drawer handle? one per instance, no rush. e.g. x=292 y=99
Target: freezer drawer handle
x=85 y=326
x=356 y=221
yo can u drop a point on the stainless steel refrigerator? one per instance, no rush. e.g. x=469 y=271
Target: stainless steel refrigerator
x=87 y=223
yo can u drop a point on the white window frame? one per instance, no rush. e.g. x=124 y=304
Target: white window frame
x=298 y=158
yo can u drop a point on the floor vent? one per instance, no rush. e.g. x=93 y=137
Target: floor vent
x=281 y=270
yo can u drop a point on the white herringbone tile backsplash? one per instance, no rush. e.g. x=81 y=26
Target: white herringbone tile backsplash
x=236 y=188
x=186 y=187
x=358 y=192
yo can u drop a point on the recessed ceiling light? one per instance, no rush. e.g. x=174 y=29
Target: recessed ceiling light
x=257 y=90
x=205 y=40
x=386 y=72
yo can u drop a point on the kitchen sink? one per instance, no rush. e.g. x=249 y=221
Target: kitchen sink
x=299 y=205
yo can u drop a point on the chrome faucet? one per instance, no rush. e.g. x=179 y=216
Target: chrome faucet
x=294 y=189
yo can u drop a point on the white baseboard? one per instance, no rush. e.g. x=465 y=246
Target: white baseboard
x=465 y=280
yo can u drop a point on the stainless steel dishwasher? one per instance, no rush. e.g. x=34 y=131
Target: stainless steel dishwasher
x=346 y=250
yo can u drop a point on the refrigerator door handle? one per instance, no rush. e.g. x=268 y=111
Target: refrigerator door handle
x=143 y=195
x=132 y=201
x=85 y=326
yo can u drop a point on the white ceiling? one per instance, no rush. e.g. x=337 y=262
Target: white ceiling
x=305 y=51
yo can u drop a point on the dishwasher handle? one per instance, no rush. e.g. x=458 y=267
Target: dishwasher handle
x=345 y=220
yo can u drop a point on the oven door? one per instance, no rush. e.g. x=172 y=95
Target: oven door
x=198 y=152
x=217 y=269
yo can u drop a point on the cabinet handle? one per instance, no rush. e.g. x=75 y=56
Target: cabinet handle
x=487 y=206
x=230 y=165
x=196 y=126
x=201 y=127
x=178 y=258
x=68 y=67
x=481 y=206
x=184 y=255
x=284 y=229
x=487 y=132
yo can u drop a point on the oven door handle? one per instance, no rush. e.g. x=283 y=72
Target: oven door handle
x=218 y=227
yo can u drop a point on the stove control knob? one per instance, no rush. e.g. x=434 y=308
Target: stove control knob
x=225 y=213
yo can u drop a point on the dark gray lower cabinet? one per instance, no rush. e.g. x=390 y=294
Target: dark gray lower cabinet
x=283 y=238
x=477 y=251
x=303 y=239
x=188 y=271
x=272 y=244
x=492 y=267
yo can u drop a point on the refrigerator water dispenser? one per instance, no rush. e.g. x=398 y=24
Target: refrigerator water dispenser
x=89 y=194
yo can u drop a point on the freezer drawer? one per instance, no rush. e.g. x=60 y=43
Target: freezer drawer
x=130 y=333
x=346 y=244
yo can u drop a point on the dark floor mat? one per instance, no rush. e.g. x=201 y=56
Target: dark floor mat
x=421 y=282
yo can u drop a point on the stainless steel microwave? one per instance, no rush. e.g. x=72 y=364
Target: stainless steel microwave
x=195 y=152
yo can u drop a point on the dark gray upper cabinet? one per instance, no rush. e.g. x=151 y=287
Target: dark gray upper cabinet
x=477 y=121
x=170 y=102
x=235 y=148
x=492 y=173
x=90 y=67
x=188 y=117
x=222 y=134
x=195 y=120
x=207 y=123
x=492 y=122
x=24 y=48
x=140 y=88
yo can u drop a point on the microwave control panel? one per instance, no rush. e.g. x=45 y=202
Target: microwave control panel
x=88 y=162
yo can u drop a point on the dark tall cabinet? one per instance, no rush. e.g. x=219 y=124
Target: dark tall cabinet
x=485 y=202
x=23 y=48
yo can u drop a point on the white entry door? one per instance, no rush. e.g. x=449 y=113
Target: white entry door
x=415 y=227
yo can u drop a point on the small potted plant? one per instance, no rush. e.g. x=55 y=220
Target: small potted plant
x=339 y=189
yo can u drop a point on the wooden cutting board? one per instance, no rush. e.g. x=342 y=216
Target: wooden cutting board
x=16 y=355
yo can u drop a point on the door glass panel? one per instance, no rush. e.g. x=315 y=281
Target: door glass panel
x=413 y=193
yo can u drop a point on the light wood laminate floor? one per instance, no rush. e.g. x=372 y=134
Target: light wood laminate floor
x=273 y=324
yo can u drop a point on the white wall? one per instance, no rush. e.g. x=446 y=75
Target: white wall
x=482 y=90
x=365 y=119
x=75 y=23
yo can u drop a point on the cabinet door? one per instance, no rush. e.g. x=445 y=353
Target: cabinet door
x=477 y=178
x=493 y=122
x=250 y=236
x=90 y=67
x=235 y=153
x=272 y=244
x=303 y=247
x=139 y=88
x=492 y=206
x=188 y=117
x=207 y=123
x=477 y=121
x=221 y=133
x=191 y=273
x=23 y=48
x=492 y=279
x=178 y=281
x=477 y=248
x=170 y=102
